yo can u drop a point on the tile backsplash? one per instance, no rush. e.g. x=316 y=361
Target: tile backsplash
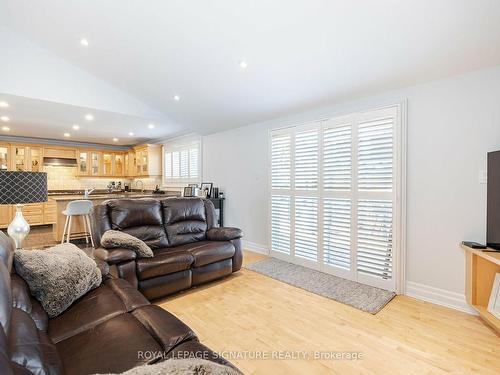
x=64 y=178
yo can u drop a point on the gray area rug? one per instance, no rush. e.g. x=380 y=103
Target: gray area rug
x=364 y=297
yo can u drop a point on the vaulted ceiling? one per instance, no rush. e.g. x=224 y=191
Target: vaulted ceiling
x=299 y=53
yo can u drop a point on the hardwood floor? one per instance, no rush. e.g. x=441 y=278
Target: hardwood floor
x=250 y=312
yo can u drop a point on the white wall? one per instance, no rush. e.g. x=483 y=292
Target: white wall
x=452 y=124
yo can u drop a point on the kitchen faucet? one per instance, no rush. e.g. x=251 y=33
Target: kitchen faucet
x=142 y=185
x=88 y=192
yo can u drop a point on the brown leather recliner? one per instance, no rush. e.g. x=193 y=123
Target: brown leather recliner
x=109 y=330
x=188 y=249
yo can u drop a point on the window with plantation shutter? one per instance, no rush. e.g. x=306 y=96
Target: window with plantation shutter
x=281 y=162
x=306 y=228
x=334 y=189
x=306 y=160
x=181 y=163
x=280 y=223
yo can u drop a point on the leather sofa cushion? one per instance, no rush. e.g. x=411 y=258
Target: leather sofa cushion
x=208 y=252
x=141 y=218
x=185 y=220
x=22 y=299
x=165 y=327
x=164 y=262
x=31 y=348
x=113 y=298
x=113 y=346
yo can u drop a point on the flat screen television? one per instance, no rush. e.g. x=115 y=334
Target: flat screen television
x=493 y=215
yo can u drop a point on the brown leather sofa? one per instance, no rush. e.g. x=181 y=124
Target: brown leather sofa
x=188 y=249
x=109 y=330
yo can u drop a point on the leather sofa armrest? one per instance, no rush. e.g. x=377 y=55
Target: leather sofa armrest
x=224 y=234
x=114 y=256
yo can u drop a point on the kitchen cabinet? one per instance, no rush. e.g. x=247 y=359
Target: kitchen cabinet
x=4 y=157
x=148 y=160
x=95 y=163
x=33 y=213
x=107 y=164
x=5 y=215
x=26 y=158
x=63 y=153
x=119 y=165
x=83 y=163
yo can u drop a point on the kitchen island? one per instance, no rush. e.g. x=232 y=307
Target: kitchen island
x=77 y=228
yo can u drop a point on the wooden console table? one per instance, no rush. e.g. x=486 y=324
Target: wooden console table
x=481 y=268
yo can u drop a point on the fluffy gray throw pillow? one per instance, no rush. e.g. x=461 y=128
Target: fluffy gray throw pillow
x=192 y=366
x=57 y=276
x=114 y=238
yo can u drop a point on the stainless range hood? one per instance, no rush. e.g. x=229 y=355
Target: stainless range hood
x=60 y=162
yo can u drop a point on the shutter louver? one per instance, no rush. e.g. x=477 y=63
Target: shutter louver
x=176 y=164
x=306 y=160
x=375 y=155
x=337 y=232
x=168 y=165
x=184 y=164
x=374 y=253
x=337 y=158
x=306 y=228
x=193 y=162
x=281 y=162
x=280 y=223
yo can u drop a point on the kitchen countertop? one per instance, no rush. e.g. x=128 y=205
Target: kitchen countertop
x=104 y=196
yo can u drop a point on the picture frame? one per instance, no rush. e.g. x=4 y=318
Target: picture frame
x=188 y=191
x=206 y=189
x=494 y=302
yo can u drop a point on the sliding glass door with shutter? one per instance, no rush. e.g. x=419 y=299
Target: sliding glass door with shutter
x=335 y=188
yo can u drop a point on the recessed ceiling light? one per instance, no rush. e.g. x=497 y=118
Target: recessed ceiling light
x=115 y=139
x=176 y=98
x=84 y=42
x=4 y=104
x=76 y=127
x=243 y=65
x=67 y=135
x=5 y=119
x=131 y=134
x=5 y=128
x=151 y=126
x=89 y=117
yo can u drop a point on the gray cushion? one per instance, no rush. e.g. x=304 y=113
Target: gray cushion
x=114 y=238
x=190 y=366
x=57 y=276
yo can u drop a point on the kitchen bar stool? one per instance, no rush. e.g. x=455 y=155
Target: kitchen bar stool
x=78 y=208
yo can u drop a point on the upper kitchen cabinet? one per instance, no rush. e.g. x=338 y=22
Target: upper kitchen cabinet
x=107 y=164
x=26 y=158
x=4 y=157
x=148 y=160
x=83 y=162
x=119 y=164
x=95 y=163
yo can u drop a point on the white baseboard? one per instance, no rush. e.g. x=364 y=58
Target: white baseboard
x=439 y=296
x=255 y=247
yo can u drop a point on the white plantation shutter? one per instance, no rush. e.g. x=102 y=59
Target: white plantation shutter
x=280 y=223
x=194 y=161
x=333 y=195
x=306 y=228
x=168 y=165
x=182 y=163
x=337 y=232
x=337 y=158
x=281 y=162
x=306 y=160
x=374 y=255
x=375 y=155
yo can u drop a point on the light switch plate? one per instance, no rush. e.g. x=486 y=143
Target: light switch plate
x=483 y=176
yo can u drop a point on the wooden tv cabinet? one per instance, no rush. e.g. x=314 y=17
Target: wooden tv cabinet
x=481 y=268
